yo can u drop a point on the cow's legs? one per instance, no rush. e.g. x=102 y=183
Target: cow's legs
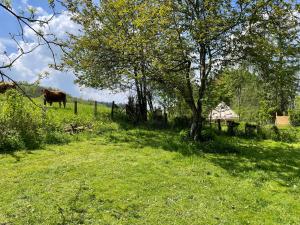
x=64 y=104
x=45 y=102
x=59 y=104
x=50 y=103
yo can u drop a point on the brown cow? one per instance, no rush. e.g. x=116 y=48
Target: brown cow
x=4 y=86
x=54 y=96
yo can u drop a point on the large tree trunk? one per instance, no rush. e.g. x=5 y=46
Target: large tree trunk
x=196 y=125
x=188 y=94
x=141 y=99
x=141 y=103
x=144 y=111
x=150 y=101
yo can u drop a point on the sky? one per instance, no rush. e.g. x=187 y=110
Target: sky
x=29 y=66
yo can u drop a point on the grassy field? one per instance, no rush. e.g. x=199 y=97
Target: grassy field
x=125 y=175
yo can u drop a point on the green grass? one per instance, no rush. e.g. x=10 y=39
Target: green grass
x=140 y=176
x=119 y=174
x=85 y=110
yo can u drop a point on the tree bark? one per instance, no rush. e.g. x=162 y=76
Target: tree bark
x=195 y=126
x=141 y=99
x=201 y=93
x=150 y=102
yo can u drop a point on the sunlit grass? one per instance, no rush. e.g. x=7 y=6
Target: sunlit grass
x=119 y=174
x=142 y=176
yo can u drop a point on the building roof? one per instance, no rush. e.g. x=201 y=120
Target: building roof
x=223 y=112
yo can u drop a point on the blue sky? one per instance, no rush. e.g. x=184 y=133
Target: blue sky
x=29 y=66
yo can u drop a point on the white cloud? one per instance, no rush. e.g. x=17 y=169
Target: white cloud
x=2 y=48
x=29 y=66
x=7 y=42
x=39 y=11
x=59 y=25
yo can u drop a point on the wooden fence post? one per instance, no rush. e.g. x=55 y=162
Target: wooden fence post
x=95 y=108
x=112 y=109
x=75 y=107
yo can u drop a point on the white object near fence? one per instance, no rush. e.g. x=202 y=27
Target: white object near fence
x=223 y=112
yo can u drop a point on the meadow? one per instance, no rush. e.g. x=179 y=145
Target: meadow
x=120 y=174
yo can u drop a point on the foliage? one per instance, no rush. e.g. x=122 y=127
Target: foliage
x=180 y=122
x=278 y=63
x=285 y=135
x=21 y=122
x=208 y=134
x=266 y=113
x=289 y=135
x=9 y=139
x=28 y=127
x=271 y=132
x=295 y=117
x=180 y=45
x=240 y=89
x=184 y=134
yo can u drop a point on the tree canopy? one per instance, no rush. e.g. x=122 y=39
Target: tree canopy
x=181 y=45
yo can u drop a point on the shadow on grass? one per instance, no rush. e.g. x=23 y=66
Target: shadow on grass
x=279 y=162
x=147 y=137
x=270 y=160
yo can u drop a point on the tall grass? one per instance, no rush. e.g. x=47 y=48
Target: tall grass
x=25 y=126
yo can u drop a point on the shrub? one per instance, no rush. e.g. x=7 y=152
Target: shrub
x=25 y=126
x=240 y=131
x=181 y=122
x=23 y=123
x=9 y=139
x=288 y=135
x=208 y=134
x=294 y=117
x=273 y=133
x=184 y=135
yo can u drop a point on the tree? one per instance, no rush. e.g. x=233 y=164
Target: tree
x=239 y=89
x=181 y=44
x=113 y=51
x=277 y=64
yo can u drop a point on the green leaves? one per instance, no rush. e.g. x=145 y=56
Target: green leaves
x=179 y=45
x=6 y=3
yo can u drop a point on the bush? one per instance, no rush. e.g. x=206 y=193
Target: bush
x=240 y=131
x=288 y=135
x=24 y=126
x=9 y=139
x=294 y=117
x=23 y=123
x=184 y=135
x=181 y=122
x=208 y=134
x=273 y=133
